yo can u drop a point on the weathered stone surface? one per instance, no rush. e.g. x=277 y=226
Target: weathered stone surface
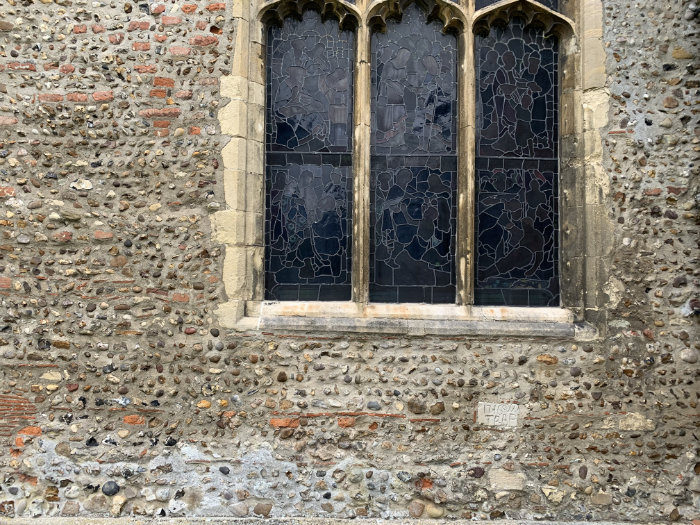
x=125 y=264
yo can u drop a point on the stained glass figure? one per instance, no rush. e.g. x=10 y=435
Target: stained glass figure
x=308 y=217
x=413 y=162
x=552 y=4
x=517 y=168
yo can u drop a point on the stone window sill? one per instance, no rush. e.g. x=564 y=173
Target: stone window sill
x=412 y=319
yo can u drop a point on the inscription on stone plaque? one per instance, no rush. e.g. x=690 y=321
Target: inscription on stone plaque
x=497 y=414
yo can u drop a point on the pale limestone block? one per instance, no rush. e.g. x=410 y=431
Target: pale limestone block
x=256 y=71
x=234 y=87
x=596 y=105
x=235 y=189
x=256 y=94
x=244 y=191
x=230 y=313
x=238 y=228
x=502 y=479
x=241 y=45
x=592 y=145
x=592 y=44
x=256 y=156
x=237 y=279
x=256 y=122
x=234 y=154
x=597 y=184
x=233 y=118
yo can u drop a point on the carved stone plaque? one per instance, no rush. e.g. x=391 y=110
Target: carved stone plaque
x=497 y=414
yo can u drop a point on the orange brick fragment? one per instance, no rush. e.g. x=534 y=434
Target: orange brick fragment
x=30 y=431
x=346 y=422
x=284 y=422
x=134 y=420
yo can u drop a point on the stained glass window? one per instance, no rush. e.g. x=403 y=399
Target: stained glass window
x=413 y=162
x=552 y=4
x=517 y=168
x=308 y=176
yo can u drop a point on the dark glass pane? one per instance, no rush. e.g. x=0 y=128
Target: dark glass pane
x=310 y=85
x=552 y=4
x=413 y=163
x=308 y=175
x=517 y=170
x=307 y=227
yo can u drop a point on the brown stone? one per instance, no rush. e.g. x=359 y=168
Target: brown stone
x=262 y=509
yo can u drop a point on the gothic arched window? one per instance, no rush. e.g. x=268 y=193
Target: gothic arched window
x=389 y=152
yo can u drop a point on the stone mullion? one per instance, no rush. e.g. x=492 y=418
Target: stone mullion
x=466 y=167
x=361 y=167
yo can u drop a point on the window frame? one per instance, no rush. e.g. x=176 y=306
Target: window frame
x=240 y=227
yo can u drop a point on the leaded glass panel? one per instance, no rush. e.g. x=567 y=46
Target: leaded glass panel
x=517 y=168
x=308 y=217
x=413 y=162
x=552 y=4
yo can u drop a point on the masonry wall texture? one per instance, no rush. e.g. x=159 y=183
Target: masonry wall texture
x=120 y=392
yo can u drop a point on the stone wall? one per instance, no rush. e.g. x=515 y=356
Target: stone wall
x=121 y=393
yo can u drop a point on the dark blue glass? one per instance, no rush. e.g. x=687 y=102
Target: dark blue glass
x=413 y=162
x=308 y=175
x=552 y=4
x=517 y=244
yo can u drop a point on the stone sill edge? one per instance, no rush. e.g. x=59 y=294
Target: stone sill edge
x=410 y=327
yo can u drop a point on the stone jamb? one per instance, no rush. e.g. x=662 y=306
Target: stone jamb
x=583 y=111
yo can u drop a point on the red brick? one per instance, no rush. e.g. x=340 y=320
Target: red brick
x=202 y=40
x=76 y=97
x=653 y=192
x=158 y=93
x=98 y=28
x=161 y=132
x=201 y=25
x=103 y=96
x=23 y=66
x=181 y=298
x=184 y=94
x=157 y=9
x=66 y=68
x=160 y=112
x=180 y=50
x=346 y=422
x=136 y=25
x=50 y=66
x=146 y=69
x=163 y=82
x=676 y=190
x=5 y=283
x=50 y=97
x=171 y=20
x=30 y=431
x=7 y=121
x=7 y=191
x=284 y=422
x=195 y=130
x=102 y=235
x=134 y=420
x=161 y=123
x=116 y=38
x=218 y=6
x=141 y=46
x=189 y=8
x=160 y=38
x=79 y=29
x=62 y=236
